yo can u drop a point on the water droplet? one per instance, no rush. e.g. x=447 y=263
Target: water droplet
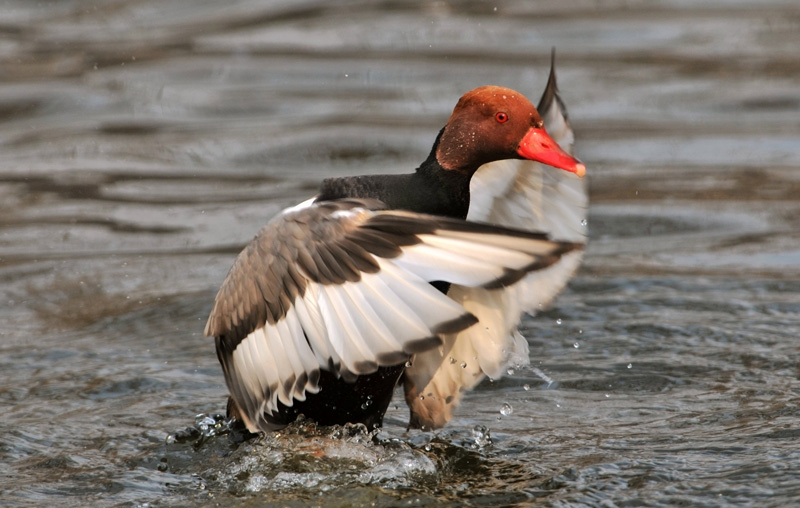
x=558 y=321
x=607 y=395
x=510 y=371
x=482 y=436
x=428 y=447
x=584 y=222
x=580 y=331
x=558 y=405
x=630 y=365
x=506 y=409
x=463 y=365
x=421 y=397
x=576 y=345
x=452 y=360
x=408 y=363
x=526 y=387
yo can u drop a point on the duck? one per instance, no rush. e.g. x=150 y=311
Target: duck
x=416 y=279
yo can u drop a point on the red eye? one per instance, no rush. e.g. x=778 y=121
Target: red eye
x=501 y=117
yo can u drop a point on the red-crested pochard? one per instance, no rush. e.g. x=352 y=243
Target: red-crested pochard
x=381 y=278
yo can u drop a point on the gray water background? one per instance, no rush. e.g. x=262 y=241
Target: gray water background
x=144 y=142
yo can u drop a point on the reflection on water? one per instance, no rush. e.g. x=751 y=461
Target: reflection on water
x=143 y=143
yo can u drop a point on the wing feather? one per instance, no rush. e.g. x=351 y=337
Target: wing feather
x=382 y=338
x=348 y=338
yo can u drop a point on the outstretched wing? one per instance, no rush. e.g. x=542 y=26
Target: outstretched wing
x=521 y=194
x=343 y=286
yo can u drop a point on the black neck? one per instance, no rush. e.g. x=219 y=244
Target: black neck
x=431 y=189
x=447 y=191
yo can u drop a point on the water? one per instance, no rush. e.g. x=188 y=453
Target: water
x=144 y=143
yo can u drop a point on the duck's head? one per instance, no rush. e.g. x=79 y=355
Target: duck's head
x=495 y=123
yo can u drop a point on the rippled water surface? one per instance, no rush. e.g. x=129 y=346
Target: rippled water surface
x=143 y=143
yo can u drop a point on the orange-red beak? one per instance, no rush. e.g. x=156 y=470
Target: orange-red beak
x=537 y=145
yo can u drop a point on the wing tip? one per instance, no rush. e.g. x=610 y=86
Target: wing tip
x=365 y=367
x=550 y=96
x=456 y=325
x=511 y=276
x=422 y=345
x=392 y=358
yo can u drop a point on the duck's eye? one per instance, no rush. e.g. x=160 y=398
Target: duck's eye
x=501 y=117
